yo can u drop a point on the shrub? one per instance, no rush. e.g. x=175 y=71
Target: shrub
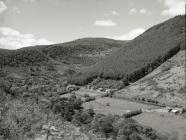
x=91 y=112
x=135 y=136
x=132 y=113
x=86 y=95
x=88 y=99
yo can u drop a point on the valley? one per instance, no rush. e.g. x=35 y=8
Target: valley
x=97 y=88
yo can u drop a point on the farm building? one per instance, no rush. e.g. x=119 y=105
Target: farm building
x=72 y=88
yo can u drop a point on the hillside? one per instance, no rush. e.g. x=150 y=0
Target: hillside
x=21 y=57
x=139 y=56
x=166 y=84
x=84 y=52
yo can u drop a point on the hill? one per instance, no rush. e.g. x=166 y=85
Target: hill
x=85 y=51
x=21 y=57
x=166 y=84
x=139 y=56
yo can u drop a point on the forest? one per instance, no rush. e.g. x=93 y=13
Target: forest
x=139 y=56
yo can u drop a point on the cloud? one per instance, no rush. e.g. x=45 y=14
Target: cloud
x=115 y=13
x=105 y=23
x=3 y=7
x=29 y=1
x=16 y=10
x=12 y=39
x=130 y=35
x=143 y=11
x=132 y=11
x=173 y=7
x=112 y=13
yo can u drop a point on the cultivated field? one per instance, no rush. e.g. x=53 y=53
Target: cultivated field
x=164 y=122
x=115 y=106
x=92 y=93
x=165 y=84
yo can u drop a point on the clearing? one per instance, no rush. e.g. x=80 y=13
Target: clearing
x=164 y=122
x=108 y=105
x=166 y=84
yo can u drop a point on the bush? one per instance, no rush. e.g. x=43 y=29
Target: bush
x=132 y=113
x=67 y=107
x=135 y=136
x=88 y=99
x=86 y=96
x=91 y=112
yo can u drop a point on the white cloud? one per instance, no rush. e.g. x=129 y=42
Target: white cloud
x=105 y=23
x=130 y=35
x=132 y=11
x=12 y=39
x=29 y=1
x=115 y=13
x=16 y=10
x=112 y=13
x=143 y=11
x=173 y=7
x=3 y=7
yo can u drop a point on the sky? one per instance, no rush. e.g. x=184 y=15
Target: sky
x=39 y=22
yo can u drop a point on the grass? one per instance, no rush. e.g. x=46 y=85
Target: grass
x=82 y=92
x=116 y=106
x=166 y=123
x=166 y=87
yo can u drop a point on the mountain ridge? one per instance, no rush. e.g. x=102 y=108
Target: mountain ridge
x=64 y=52
x=141 y=55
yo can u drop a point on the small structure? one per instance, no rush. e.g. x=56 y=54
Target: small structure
x=107 y=90
x=177 y=110
x=72 y=88
x=88 y=86
x=163 y=110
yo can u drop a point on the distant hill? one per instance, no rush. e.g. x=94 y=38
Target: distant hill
x=86 y=51
x=139 y=56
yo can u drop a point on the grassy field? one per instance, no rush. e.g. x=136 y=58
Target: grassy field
x=91 y=93
x=115 y=106
x=166 y=123
x=165 y=84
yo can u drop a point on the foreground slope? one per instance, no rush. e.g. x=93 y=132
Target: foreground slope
x=141 y=55
x=166 y=84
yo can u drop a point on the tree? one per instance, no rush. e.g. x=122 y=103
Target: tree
x=135 y=136
x=91 y=112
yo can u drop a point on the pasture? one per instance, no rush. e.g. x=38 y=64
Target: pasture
x=91 y=93
x=164 y=122
x=108 y=105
